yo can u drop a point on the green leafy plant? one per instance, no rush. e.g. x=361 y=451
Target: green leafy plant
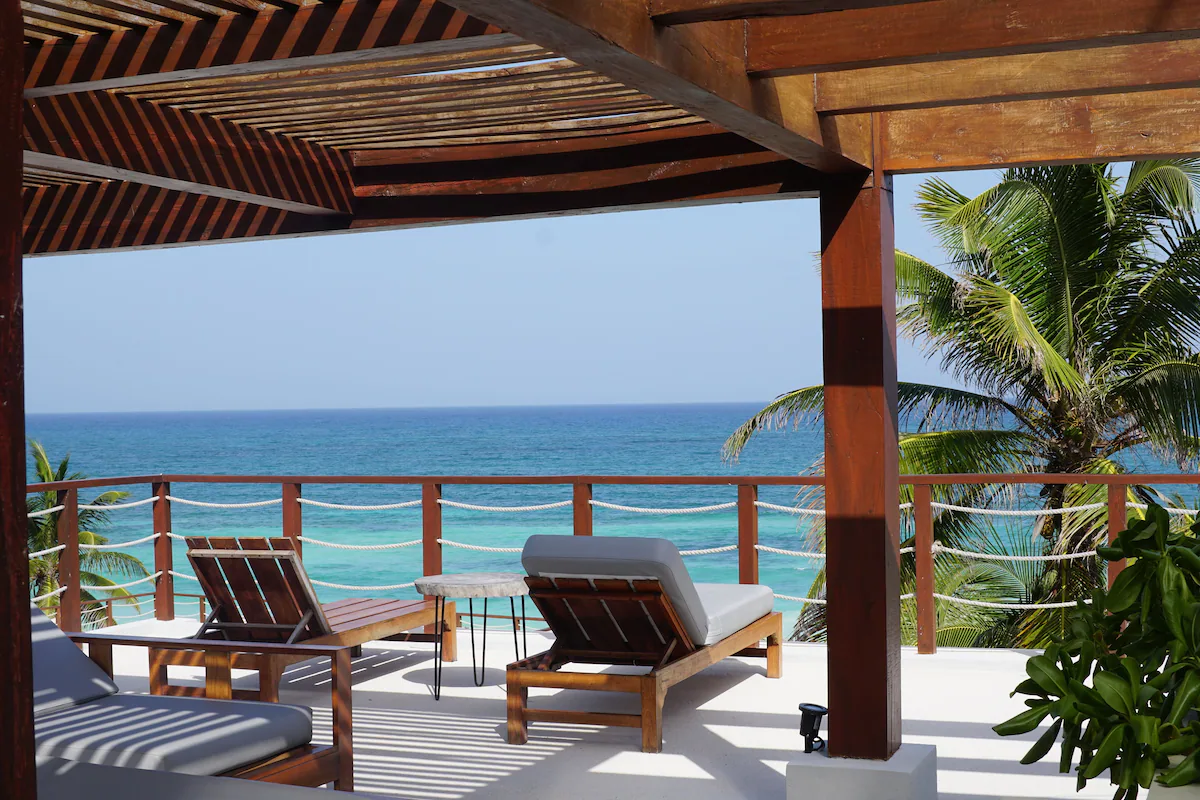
x=1122 y=685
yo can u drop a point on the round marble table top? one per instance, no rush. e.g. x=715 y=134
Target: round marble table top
x=473 y=584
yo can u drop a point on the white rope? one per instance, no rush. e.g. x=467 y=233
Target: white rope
x=1015 y=606
x=153 y=577
x=904 y=550
x=44 y=512
x=780 y=551
x=478 y=547
x=346 y=507
x=470 y=507
x=47 y=596
x=909 y=596
x=815 y=512
x=258 y=504
x=708 y=551
x=1181 y=511
x=361 y=588
x=393 y=546
x=118 y=506
x=1033 y=512
x=48 y=551
x=175 y=574
x=175 y=536
x=640 y=510
x=905 y=506
x=815 y=600
x=938 y=548
x=119 y=545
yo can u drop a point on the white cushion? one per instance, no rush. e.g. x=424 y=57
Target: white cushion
x=729 y=607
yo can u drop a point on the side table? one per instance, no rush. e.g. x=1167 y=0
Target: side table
x=471 y=585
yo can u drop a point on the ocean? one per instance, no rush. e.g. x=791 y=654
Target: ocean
x=618 y=440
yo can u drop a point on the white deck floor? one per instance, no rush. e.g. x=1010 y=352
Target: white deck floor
x=729 y=731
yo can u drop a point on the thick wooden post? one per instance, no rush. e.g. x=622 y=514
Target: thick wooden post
x=747 y=534
x=293 y=518
x=164 y=552
x=16 y=667
x=431 y=529
x=1118 y=520
x=582 y=507
x=923 y=552
x=858 y=299
x=70 y=610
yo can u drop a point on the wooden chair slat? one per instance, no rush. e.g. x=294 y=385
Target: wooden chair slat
x=284 y=607
x=560 y=619
x=245 y=590
x=642 y=634
x=212 y=581
x=300 y=588
x=667 y=620
x=598 y=617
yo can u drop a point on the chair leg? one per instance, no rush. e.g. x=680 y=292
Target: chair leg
x=449 y=632
x=158 y=671
x=775 y=650
x=653 y=696
x=518 y=701
x=270 y=675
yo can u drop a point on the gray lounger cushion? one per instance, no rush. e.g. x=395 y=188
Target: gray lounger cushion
x=708 y=615
x=192 y=735
x=62 y=675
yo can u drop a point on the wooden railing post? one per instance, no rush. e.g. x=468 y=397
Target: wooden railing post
x=431 y=529
x=164 y=552
x=747 y=513
x=1118 y=520
x=70 y=611
x=923 y=553
x=293 y=517
x=583 y=509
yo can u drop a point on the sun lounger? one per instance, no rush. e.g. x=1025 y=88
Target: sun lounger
x=259 y=592
x=80 y=715
x=630 y=601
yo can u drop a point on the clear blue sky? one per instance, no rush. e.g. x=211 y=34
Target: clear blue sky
x=720 y=303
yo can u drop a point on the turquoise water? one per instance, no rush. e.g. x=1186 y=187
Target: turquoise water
x=619 y=440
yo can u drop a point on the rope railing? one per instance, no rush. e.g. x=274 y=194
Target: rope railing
x=940 y=548
x=119 y=545
x=48 y=595
x=1180 y=511
x=353 y=588
x=1017 y=512
x=779 y=551
x=88 y=588
x=643 y=510
x=503 y=509
x=339 y=546
x=478 y=547
x=202 y=504
x=794 y=510
x=175 y=574
x=348 y=507
x=45 y=512
x=709 y=551
x=47 y=551
x=117 y=506
x=1005 y=606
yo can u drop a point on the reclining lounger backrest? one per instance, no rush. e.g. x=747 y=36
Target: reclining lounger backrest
x=627 y=557
x=62 y=675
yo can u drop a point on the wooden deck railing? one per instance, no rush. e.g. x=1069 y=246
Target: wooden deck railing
x=432 y=487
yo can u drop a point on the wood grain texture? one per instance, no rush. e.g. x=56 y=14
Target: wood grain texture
x=1117 y=127
x=240 y=43
x=698 y=68
x=948 y=29
x=747 y=516
x=581 y=509
x=1032 y=76
x=679 y=12
x=164 y=553
x=17 y=773
x=924 y=562
x=858 y=296
x=70 y=616
x=1118 y=520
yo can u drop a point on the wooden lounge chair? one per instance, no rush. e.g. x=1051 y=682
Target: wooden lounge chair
x=259 y=592
x=81 y=716
x=630 y=601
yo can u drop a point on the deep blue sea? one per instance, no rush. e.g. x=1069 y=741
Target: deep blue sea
x=619 y=440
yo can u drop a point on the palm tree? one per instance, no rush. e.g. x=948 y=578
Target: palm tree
x=94 y=565
x=1070 y=311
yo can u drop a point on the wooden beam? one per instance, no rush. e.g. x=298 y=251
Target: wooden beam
x=1032 y=76
x=316 y=35
x=112 y=215
x=1115 y=127
x=858 y=301
x=17 y=774
x=699 y=68
x=516 y=180
x=950 y=29
x=114 y=137
x=679 y=12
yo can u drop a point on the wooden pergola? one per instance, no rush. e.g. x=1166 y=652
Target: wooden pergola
x=143 y=123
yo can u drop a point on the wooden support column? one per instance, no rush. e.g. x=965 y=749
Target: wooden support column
x=431 y=531
x=923 y=553
x=70 y=611
x=1118 y=520
x=16 y=667
x=858 y=298
x=747 y=534
x=582 y=507
x=293 y=518
x=164 y=553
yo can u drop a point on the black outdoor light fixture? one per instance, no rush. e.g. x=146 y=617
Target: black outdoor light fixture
x=811 y=715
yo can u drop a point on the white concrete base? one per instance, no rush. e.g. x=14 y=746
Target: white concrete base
x=911 y=774
x=1160 y=792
